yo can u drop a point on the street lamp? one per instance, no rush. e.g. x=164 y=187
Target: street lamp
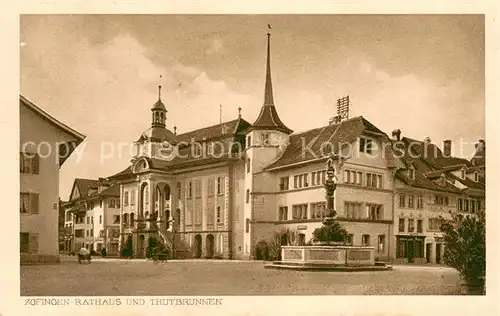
x=172 y=222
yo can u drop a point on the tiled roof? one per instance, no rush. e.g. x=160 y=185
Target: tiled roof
x=84 y=185
x=422 y=182
x=268 y=119
x=231 y=128
x=158 y=134
x=310 y=145
x=479 y=158
x=468 y=182
x=113 y=190
x=432 y=154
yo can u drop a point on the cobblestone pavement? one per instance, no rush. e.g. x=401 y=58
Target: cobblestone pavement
x=143 y=278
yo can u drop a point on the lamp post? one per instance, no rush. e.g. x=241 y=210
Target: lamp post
x=330 y=186
x=172 y=222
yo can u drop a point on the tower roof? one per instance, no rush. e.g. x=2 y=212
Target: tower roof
x=268 y=118
x=159 y=106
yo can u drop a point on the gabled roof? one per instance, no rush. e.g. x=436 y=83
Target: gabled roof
x=84 y=185
x=479 y=158
x=422 y=182
x=113 y=190
x=335 y=135
x=432 y=155
x=78 y=136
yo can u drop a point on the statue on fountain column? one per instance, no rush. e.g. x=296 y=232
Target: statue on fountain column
x=330 y=187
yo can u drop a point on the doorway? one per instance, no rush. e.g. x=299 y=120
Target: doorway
x=210 y=245
x=438 y=252
x=197 y=246
x=428 y=248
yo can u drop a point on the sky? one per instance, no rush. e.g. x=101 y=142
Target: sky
x=99 y=74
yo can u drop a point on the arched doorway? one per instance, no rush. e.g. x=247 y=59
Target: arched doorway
x=197 y=246
x=144 y=204
x=210 y=246
x=142 y=246
x=177 y=218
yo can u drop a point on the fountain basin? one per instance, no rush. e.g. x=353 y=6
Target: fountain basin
x=328 y=258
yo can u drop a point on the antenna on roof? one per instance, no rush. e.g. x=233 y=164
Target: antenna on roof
x=343 y=109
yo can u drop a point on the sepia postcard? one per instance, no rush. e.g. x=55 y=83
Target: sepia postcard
x=249 y=161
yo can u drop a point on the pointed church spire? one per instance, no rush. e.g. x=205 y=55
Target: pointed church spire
x=268 y=118
x=268 y=94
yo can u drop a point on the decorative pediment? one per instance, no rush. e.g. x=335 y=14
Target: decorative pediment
x=140 y=165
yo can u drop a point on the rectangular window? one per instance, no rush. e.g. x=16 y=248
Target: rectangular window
x=190 y=190
x=350 y=239
x=366 y=240
x=24 y=243
x=466 y=205
x=283 y=213
x=210 y=186
x=117 y=203
x=459 y=205
x=179 y=190
x=313 y=178
x=318 y=210
x=218 y=215
x=264 y=139
x=362 y=144
x=369 y=180
x=299 y=211
x=433 y=224
x=247 y=225
x=411 y=225
x=381 y=243
x=132 y=197
x=125 y=198
x=284 y=183
x=248 y=165
x=420 y=225
x=402 y=225
x=249 y=141
x=374 y=212
x=347 y=176
x=29 y=163
x=197 y=188
x=306 y=183
x=402 y=200
x=116 y=219
x=352 y=210
x=479 y=205
x=220 y=185
x=411 y=201
x=473 y=206
x=360 y=178
x=420 y=202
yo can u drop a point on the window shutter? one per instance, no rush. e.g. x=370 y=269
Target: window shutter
x=34 y=203
x=35 y=163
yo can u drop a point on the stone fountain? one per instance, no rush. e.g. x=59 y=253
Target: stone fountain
x=330 y=256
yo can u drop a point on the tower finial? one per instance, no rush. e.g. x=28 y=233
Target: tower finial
x=239 y=112
x=159 y=92
x=268 y=93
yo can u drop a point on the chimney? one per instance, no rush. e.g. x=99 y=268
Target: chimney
x=396 y=135
x=427 y=140
x=480 y=145
x=447 y=148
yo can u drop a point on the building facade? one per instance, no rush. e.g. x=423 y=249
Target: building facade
x=93 y=217
x=45 y=144
x=432 y=186
x=218 y=191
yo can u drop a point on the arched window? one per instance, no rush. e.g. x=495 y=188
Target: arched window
x=132 y=218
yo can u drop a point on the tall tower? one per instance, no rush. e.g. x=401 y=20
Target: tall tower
x=154 y=141
x=266 y=139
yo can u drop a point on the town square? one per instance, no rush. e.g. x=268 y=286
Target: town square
x=252 y=155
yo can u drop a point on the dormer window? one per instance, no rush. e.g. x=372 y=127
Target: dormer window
x=411 y=173
x=442 y=180
x=365 y=145
x=476 y=177
x=462 y=173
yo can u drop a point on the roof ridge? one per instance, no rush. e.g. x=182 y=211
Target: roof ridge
x=215 y=125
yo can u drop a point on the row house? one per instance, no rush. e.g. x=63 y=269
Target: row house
x=432 y=186
x=92 y=216
x=45 y=144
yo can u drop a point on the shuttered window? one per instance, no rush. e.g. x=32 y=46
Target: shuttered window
x=29 y=203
